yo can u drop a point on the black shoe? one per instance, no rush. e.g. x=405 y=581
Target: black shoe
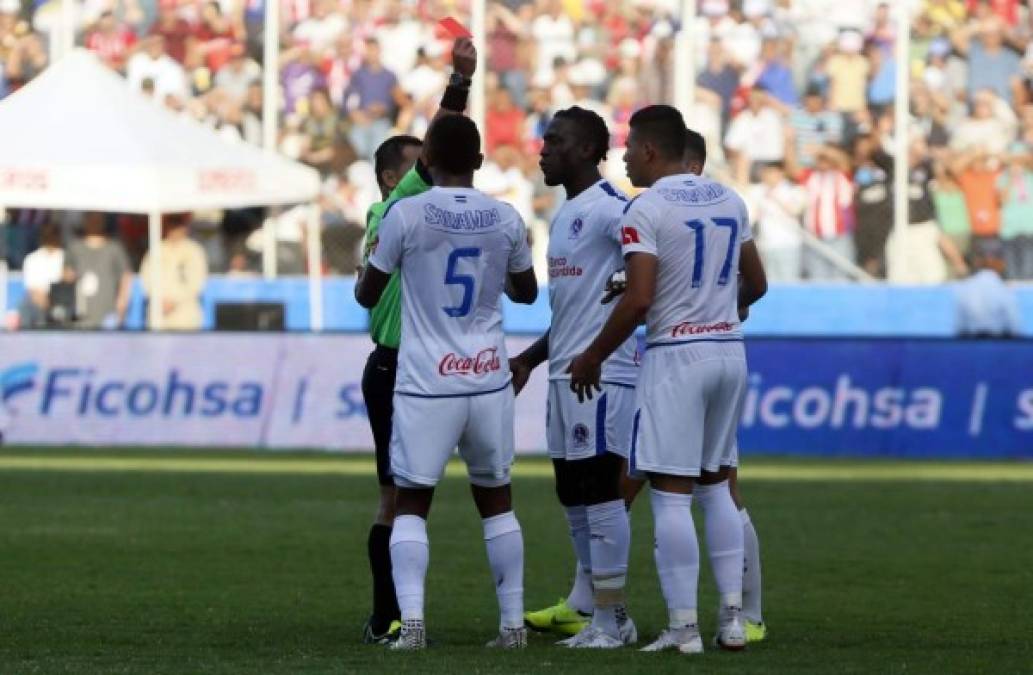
x=369 y=637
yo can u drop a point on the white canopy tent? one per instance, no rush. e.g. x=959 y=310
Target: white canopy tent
x=77 y=138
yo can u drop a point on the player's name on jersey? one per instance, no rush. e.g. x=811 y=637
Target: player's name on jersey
x=696 y=194
x=468 y=221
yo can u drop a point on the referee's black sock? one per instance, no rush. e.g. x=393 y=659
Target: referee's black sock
x=385 y=604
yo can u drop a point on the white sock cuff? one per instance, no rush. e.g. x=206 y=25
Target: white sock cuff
x=670 y=499
x=409 y=528
x=704 y=492
x=744 y=516
x=606 y=510
x=496 y=526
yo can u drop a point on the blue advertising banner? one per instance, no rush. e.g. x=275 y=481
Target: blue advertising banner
x=889 y=397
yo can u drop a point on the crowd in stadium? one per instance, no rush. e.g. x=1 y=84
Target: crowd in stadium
x=794 y=97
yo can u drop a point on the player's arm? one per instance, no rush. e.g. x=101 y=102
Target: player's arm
x=522 y=287
x=521 y=365
x=585 y=369
x=521 y=283
x=385 y=257
x=457 y=93
x=753 y=282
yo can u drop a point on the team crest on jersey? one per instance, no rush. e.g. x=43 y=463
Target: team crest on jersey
x=581 y=435
x=576 y=227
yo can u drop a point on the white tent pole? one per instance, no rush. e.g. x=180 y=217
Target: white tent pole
x=902 y=106
x=269 y=262
x=155 y=309
x=315 y=270
x=67 y=31
x=270 y=74
x=3 y=292
x=478 y=26
x=685 y=61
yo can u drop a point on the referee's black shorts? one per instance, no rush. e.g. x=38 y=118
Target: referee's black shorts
x=378 y=389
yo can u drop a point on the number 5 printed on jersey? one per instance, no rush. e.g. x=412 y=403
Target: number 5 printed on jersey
x=453 y=278
x=726 y=269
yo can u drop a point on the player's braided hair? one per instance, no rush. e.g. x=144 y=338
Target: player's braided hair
x=591 y=128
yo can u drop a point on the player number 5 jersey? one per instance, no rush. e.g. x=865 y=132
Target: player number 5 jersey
x=455 y=247
x=695 y=227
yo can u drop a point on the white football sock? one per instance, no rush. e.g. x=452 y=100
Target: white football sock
x=751 y=571
x=610 y=540
x=580 y=597
x=724 y=540
x=410 y=555
x=505 y=544
x=677 y=554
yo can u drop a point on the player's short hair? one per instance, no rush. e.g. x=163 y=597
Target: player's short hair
x=664 y=126
x=454 y=145
x=590 y=128
x=389 y=157
x=695 y=147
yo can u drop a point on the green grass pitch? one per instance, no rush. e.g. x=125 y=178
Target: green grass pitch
x=176 y=562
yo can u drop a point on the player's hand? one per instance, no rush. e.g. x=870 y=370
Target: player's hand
x=744 y=312
x=521 y=372
x=585 y=371
x=464 y=57
x=615 y=285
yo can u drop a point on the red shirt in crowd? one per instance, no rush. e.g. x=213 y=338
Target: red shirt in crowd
x=112 y=47
x=984 y=210
x=503 y=127
x=1008 y=10
x=176 y=33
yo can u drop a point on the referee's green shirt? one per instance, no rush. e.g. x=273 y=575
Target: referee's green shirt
x=385 y=319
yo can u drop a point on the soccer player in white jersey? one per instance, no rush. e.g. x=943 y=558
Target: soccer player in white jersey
x=683 y=240
x=458 y=251
x=588 y=440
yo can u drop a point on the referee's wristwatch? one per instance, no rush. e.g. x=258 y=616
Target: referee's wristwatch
x=459 y=80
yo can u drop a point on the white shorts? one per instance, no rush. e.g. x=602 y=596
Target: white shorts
x=425 y=432
x=689 y=404
x=581 y=430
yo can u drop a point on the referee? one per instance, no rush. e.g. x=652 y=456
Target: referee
x=400 y=173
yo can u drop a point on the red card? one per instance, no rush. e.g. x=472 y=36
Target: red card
x=454 y=28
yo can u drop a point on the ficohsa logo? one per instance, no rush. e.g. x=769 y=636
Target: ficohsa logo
x=83 y=392
x=16 y=380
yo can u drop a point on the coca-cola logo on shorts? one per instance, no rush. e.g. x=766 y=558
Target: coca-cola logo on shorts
x=486 y=361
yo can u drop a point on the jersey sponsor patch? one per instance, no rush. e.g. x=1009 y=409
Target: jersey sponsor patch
x=485 y=361
x=576 y=226
x=629 y=235
x=580 y=434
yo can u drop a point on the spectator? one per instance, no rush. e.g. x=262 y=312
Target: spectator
x=239 y=73
x=111 y=40
x=425 y=82
x=553 y=35
x=991 y=127
x=883 y=83
x=299 y=77
x=814 y=125
x=41 y=269
x=916 y=255
x=184 y=271
x=977 y=173
x=883 y=33
x=776 y=205
x=829 y=216
x=373 y=99
x=503 y=177
x=215 y=37
x=322 y=30
x=153 y=63
x=848 y=71
x=775 y=76
x=756 y=135
x=323 y=135
x=102 y=275
x=505 y=33
x=951 y=211
x=874 y=205
x=174 y=29
x=503 y=122
x=720 y=77
x=1015 y=187
x=992 y=64
x=986 y=307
